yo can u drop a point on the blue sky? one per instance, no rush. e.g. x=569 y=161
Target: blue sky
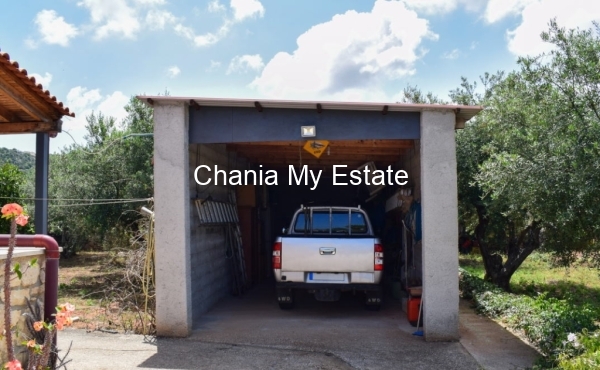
x=95 y=54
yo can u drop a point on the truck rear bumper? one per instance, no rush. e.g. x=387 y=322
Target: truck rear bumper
x=316 y=286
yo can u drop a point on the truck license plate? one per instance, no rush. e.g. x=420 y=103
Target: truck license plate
x=325 y=276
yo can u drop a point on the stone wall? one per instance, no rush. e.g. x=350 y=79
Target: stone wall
x=31 y=287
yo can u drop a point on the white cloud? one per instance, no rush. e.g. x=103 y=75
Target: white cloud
x=535 y=15
x=112 y=17
x=125 y=18
x=150 y=2
x=54 y=29
x=245 y=63
x=113 y=105
x=215 y=6
x=173 y=71
x=158 y=19
x=243 y=9
x=455 y=53
x=44 y=80
x=214 y=65
x=499 y=9
x=83 y=102
x=351 y=56
x=206 y=39
x=79 y=98
x=443 y=6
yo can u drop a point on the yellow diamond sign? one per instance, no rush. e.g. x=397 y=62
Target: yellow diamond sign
x=316 y=147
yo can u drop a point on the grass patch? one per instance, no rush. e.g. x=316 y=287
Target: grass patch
x=537 y=275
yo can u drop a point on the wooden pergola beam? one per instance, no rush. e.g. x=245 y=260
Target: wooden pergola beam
x=30 y=127
x=22 y=102
x=8 y=115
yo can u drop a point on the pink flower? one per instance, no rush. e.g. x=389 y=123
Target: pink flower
x=38 y=325
x=59 y=325
x=13 y=365
x=21 y=220
x=11 y=210
x=31 y=343
x=67 y=307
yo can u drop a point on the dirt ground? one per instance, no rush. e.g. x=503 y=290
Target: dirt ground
x=86 y=280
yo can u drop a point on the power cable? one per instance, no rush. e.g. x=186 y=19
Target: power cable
x=76 y=199
x=110 y=143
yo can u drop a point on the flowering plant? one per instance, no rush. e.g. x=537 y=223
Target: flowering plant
x=39 y=353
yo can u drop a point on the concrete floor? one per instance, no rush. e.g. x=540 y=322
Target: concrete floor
x=251 y=332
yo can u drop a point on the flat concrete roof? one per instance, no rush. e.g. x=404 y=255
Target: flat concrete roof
x=463 y=112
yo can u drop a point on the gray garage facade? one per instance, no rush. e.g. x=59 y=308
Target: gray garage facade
x=192 y=266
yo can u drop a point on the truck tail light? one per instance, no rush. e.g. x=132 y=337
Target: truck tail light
x=277 y=256
x=378 y=257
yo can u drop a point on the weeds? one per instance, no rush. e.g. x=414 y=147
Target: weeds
x=547 y=322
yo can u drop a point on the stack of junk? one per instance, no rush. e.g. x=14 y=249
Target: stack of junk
x=403 y=246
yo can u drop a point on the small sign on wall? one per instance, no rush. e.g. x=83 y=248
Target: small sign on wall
x=316 y=147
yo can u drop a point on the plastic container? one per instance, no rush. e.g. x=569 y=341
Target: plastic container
x=413 y=310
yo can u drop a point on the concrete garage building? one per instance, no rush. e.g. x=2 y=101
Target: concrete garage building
x=192 y=268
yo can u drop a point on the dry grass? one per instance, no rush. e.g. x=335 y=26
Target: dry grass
x=84 y=280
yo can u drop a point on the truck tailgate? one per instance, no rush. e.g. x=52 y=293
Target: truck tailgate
x=327 y=254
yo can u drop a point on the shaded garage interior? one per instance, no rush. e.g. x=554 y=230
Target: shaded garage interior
x=264 y=210
x=193 y=265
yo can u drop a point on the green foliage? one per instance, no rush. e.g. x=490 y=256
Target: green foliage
x=17 y=270
x=528 y=164
x=11 y=180
x=582 y=351
x=412 y=94
x=110 y=165
x=23 y=160
x=546 y=322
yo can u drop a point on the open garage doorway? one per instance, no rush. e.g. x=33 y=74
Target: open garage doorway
x=266 y=207
x=275 y=205
x=192 y=271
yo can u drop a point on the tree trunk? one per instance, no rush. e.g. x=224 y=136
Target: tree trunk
x=517 y=250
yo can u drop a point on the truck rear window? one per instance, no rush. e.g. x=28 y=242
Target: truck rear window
x=358 y=223
x=331 y=222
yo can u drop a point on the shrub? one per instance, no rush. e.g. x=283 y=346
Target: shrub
x=546 y=322
x=582 y=351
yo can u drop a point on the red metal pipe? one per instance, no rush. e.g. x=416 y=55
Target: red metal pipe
x=52 y=257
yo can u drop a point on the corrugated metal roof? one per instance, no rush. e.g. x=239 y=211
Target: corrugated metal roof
x=463 y=112
x=35 y=88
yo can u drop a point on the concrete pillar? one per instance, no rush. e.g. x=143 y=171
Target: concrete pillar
x=172 y=220
x=440 y=226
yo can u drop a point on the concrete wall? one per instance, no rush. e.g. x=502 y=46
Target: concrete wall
x=210 y=274
x=31 y=287
x=439 y=202
x=185 y=292
x=172 y=220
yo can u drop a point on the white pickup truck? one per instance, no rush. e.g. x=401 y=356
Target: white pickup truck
x=327 y=250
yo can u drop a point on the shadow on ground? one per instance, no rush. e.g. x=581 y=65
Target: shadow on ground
x=253 y=333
